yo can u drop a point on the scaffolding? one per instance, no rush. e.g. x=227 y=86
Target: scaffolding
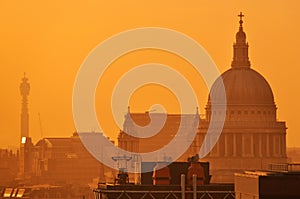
x=182 y=191
x=164 y=194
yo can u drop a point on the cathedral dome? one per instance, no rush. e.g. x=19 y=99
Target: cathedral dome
x=243 y=86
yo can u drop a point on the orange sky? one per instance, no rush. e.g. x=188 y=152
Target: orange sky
x=49 y=40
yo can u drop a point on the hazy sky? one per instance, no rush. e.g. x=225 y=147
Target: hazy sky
x=50 y=39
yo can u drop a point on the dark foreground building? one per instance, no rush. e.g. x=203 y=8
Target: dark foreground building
x=178 y=187
x=46 y=192
x=282 y=181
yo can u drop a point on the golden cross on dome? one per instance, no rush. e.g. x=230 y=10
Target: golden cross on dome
x=241 y=16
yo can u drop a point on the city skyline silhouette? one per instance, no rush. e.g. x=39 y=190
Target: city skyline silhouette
x=50 y=49
x=101 y=99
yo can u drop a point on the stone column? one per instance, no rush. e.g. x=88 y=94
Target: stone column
x=218 y=149
x=279 y=145
x=283 y=149
x=225 y=145
x=260 y=145
x=274 y=145
x=243 y=146
x=268 y=145
x=234 y=144
x=252 y=147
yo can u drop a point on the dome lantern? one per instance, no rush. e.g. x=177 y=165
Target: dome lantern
x=240 y=48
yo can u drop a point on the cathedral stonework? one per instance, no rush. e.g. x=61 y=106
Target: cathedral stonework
x=252 y=137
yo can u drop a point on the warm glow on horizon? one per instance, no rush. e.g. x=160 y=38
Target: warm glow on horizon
x=50 y=40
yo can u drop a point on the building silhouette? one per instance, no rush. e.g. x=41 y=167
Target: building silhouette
x=8 y=166
x=54 y=161
x=26 y=145
x=280 y=181
x=165 y=135
x=293 y=154
x=252 y=137
x=60 y=161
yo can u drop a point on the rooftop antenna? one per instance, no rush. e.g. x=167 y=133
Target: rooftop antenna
x=122 y=177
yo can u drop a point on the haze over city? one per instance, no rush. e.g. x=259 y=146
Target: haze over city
x=50 y=40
